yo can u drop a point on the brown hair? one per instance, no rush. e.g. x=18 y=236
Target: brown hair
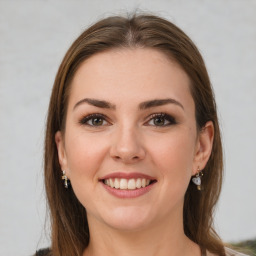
x=70 y=233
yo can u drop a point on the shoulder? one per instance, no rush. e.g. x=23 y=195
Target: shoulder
x=43 y=252
x=230 y=252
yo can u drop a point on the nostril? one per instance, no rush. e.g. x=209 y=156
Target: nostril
x=127 y=149
x=126 y=157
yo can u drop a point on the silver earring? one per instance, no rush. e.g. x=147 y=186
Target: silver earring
x=65 y=178
x=197 y=179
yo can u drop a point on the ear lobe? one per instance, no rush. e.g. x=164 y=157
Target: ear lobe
x=59 y=140
x=204 y=147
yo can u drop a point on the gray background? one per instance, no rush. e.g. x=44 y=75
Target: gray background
x=34 y=35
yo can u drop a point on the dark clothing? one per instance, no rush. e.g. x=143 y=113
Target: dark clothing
x=43 y=252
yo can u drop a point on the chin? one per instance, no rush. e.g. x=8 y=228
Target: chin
x=128 y=219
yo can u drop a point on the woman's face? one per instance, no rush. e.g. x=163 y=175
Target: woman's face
x=130 y=144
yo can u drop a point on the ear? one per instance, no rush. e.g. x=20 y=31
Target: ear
x=59 y=140
x=203 y=147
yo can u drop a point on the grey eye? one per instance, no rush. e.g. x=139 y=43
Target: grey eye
x=161 y=120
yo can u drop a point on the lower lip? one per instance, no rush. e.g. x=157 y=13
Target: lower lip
x=127 y=193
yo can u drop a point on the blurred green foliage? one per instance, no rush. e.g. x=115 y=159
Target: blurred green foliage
x=248 y=247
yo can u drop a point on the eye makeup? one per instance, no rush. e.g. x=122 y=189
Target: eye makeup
x=161 y=120
x=95 y=119
x=156 y=119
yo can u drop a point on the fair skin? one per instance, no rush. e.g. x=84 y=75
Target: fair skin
x=131 y=116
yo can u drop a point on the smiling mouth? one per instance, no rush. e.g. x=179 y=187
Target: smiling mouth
x=130 y=184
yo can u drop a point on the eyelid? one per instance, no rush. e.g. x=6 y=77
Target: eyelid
x=166 y=116
x=84 y=120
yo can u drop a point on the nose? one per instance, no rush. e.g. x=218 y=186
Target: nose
x=127 y=146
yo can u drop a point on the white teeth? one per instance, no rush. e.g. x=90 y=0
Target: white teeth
x=138 y=183
x=130 y=184
x=111 y=183
x=123 y=184
x=143 y=183
x=116 y=183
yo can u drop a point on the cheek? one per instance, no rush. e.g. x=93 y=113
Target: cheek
x=84 y=158
x=84 y=155
x=174 y=155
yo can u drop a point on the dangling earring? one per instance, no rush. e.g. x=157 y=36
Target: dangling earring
x=197 y=179
x=65 y=178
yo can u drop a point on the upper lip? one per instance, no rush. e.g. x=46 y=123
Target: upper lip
x=130 y=175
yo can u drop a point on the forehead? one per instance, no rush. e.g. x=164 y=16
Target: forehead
x=125 y=74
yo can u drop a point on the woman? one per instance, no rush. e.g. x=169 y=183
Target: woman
x=133 y=155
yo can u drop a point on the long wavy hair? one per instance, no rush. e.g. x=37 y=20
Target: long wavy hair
x=69 y=228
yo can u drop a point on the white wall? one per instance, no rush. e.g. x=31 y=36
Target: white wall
x=34 y=36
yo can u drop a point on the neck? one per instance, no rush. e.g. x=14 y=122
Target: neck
x=160 y=239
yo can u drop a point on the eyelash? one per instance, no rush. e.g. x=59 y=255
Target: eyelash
x=171 y=120
x=86 y=119
x=165 y=117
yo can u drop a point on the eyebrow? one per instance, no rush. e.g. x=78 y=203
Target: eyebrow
x=142 y=106
x=159 y=102
x=96 y=103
